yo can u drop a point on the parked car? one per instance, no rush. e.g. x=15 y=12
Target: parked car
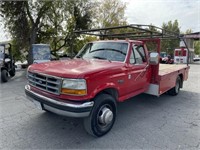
x=165 y=58
x=196 y=59
x=21 y=64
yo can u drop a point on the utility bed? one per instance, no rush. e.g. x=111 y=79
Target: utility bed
x=165 y=69
x=168 y=74
x=166 y=78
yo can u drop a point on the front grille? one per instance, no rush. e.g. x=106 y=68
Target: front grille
x=47 y=83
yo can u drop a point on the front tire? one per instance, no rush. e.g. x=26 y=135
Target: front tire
x=4 y=75
x=102 y=117
x=12 y=72
x=175 y=90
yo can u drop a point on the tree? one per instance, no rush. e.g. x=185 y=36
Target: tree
x=197 y=47
x=16 y=24
x=32 y=22
x=196 y=43
x=80 y=18
x=110 y=13
x=152 y=46
x=169 y=45
x=20 y=21
x=188 y=31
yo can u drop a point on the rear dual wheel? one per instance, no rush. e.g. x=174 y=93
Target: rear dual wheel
x=102 y=116
x=175 y=90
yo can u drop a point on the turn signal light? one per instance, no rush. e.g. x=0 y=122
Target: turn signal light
x=73 y=92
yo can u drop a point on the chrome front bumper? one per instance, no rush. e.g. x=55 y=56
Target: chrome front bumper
x=65 y=108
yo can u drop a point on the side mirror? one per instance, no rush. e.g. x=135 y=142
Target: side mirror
x=7 y=60
x=154 y=58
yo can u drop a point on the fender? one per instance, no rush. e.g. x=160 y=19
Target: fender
x=102 y=87
x=4 y=68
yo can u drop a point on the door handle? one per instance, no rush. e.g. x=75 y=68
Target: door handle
x=129 y=76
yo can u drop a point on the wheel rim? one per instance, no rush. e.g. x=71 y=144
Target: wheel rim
x=105 y=117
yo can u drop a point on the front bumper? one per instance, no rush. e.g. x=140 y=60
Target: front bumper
x=65 y=108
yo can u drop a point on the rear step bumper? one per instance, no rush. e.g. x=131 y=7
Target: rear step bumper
x=64 y=108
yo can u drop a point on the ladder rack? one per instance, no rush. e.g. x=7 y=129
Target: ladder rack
x=132 y=31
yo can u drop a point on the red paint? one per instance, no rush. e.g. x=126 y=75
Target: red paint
x=103 y=74
x=176 y=53
x=180 y=52
x=184 y=53
x=167 y=77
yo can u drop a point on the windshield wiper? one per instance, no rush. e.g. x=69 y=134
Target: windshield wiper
x=109 y=49
x=97 y=57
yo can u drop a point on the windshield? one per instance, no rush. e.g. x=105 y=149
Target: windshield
x=163 y=54
x=111 y=51
x=41 y=52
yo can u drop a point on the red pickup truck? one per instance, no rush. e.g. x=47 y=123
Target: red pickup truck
x=102 y=74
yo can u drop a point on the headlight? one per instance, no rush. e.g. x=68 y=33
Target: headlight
x=74 y=87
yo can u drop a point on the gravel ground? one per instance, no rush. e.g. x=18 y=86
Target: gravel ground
x=143 y=122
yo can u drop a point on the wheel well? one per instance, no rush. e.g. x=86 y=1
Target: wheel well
x=111 y=91
x=181 y=76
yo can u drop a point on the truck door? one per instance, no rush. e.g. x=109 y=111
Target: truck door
x=138 y=69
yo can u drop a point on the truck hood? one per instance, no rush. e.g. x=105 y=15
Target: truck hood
x=75 y=68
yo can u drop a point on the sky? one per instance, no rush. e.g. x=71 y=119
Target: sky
x=155 y=12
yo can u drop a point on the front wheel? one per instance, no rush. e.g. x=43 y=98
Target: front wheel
x=12 y=72
x=175 y=90
x=4 y=75
x=102 y=117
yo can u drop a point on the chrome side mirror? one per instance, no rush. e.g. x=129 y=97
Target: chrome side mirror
x=154 y=58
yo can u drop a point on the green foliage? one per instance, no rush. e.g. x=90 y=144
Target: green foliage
x=196 y=43
x=17 y=25
x=188 y=31
x=23 y=20
x=51 y=22
x=110 y=13
x=54 y=22
x=152 y=46
x=169 y=45
x=197 y=47
x=79 y=43
x=80 y=18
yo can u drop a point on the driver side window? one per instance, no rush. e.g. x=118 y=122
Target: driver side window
x=139 y=54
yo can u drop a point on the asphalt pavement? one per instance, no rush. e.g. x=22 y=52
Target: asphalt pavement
x=143 y=122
